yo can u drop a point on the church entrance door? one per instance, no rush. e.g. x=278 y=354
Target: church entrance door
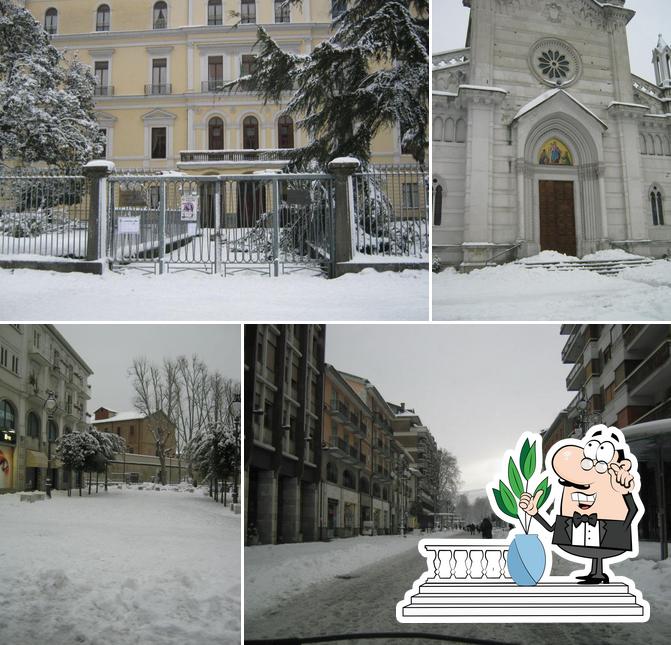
x=557 y=217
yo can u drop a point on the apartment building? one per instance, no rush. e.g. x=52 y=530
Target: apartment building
x=160 y=68
x=283 y=385
x=43 y=394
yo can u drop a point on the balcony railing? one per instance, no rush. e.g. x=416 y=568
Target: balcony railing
x=659 y=358
x=575 y=378
x=235 y=155
x=463 y=560
x=151 y=89
x=103 y=90
x=214 y=85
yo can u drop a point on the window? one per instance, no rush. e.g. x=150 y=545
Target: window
x=250 y=133
x=247 y=11
x=159 y=74
x=215 y=73
x=338 y=7
x=101 y=72
x=159 y=143
x=103 y=138
x=247 y=64
x=331 y=472
x=4 y=354
x=214 y=12
x=160 y=15
x=15 y=364
x=410 y=195
x=51 y=21
x=348 y=480
x=285 y=132
x=33 y=425
x=103 y=18
x=52 y=431
x=215 y=133
x=7 y=415
x=657 y=207
x=282 y=11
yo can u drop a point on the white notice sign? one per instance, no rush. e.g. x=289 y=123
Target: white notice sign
x=129 y=225
x=190 y=208
x=192 y=228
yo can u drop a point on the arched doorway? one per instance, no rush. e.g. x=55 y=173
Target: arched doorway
x=215 y=133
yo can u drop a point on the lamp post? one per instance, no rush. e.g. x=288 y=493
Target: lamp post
x=50 y=405
x=234 y=409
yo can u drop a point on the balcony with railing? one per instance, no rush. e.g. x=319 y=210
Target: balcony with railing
x=163 y=88
x=652 y=374
x=575 y=378
x=103 y=90
x=339 y=410
x=644 y=337
x=274 y=157
x=212 y=85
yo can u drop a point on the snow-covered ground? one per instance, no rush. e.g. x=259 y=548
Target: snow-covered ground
x=188 y=296
x=157 y=567
x=514 y=292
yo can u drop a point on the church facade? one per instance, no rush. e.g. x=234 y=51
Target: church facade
x=543 y=139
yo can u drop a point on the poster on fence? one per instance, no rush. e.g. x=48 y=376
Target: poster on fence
x=189 y=208
x=129 y=225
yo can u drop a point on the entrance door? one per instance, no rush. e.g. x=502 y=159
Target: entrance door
x=557 y=217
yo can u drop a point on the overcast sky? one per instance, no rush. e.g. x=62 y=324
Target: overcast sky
x=449 y=21
x=477 y=387
x=109 y=351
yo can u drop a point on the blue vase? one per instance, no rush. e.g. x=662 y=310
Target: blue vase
x=526 y=560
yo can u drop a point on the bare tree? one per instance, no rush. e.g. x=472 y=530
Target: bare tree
x=447 y=480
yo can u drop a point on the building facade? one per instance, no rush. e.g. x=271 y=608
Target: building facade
x=283 y=385
x=160 y=69
x=38 y=365
x=543 y=139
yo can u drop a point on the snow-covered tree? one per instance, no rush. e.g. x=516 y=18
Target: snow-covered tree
x=46 y=101
x=372 y=73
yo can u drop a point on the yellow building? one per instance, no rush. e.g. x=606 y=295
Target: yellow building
x=159 y=68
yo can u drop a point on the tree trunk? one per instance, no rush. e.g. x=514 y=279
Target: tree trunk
x=216 y=489
x=81 y=472
x=89 y=482
x=210 y=486
x=97 y=475
x=105 y=477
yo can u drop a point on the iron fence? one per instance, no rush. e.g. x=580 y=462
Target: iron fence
x=391 y=212
x=42 y=213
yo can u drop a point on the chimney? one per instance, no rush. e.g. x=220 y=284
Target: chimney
x=402 y=407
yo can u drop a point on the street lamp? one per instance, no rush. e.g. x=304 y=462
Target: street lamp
x=234 y=409
x=50 y=406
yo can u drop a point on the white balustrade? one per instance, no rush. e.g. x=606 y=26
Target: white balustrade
x=461 y=560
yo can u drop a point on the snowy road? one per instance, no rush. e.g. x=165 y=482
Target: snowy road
x=123 y=567
x=367 y=603
x=192 y=296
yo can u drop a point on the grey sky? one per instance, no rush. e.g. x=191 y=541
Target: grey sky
x=109 y=351
x=449 y=21
x=477 y=387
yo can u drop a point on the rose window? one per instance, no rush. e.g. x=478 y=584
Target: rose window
x=554 y=64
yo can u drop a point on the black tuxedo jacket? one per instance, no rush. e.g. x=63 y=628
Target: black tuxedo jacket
x=614 y=534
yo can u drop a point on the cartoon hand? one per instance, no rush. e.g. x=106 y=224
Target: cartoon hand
x=621 y=479
x=529 y=504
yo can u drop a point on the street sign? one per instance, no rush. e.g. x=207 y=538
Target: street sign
x=189 y=208
x=129 y=225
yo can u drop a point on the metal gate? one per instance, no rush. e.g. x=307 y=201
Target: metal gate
x=264 y=222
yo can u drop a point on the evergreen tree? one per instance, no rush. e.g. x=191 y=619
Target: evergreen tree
x=46 y=102
x=372 y=73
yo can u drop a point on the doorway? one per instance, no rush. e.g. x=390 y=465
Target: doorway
x=557 y=217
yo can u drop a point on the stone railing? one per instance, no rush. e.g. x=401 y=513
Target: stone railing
x=461 y=560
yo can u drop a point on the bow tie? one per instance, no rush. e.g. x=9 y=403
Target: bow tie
x=579 y=518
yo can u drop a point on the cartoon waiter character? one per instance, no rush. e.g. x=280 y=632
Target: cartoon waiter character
x=600 y=506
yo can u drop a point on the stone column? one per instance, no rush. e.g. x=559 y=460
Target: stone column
x=309 y=511
x=343 y=168
x=291 y=509
x=96 y=172
x=266 y=507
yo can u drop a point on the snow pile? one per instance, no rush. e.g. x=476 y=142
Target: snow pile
x=548 y=256
x=513 y=292
x=607 y=255
x=273 y=572
x=120 y=567
x=611 y=254
x=184 y=296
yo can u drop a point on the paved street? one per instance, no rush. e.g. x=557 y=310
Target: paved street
x=367 y=603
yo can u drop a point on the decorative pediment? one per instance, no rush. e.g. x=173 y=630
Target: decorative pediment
x=561 y=101
x=159 y=117
x=105 y=119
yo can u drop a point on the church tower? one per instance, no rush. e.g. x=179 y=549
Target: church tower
x=661 y=60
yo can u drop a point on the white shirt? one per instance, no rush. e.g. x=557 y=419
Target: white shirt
x=585 y=534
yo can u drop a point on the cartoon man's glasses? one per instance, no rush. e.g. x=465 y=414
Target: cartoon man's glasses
x=597 y=455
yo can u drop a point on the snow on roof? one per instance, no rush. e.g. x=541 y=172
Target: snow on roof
x=546 y=96
x=122 y=416
x=488 y=88
x=443 y=93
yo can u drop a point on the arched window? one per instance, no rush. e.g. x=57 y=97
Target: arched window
x=285 y=132
x=658 y=146
x=385 y=494
x=657 y=206
x=460 y=131
x=651 y=145
x=331 y=472
x=437 y=129
x=7 y=415
x=364 y=486
x=376 y=490
x=250 y=133
x=215 y=133
x=348 y=480
x=160 y=15
x=33 y=426
x=449 y=130
x=438 y=206
x=51 y=21
x=103 y=18
x=52 y=430
x=644 y=147
x=214 y=12
x=668 y=65
x=282 y=11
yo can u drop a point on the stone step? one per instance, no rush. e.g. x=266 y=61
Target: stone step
x=568 y=589
x=604 y=267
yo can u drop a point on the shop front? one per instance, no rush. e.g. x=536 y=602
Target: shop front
x=7 y=449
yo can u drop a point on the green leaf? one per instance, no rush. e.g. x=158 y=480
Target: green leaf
x=523 y=454
x=544 y=496
x=500 y=503
x=529 y=463
x=508 y=499
x=546 y=492
x=515 y=479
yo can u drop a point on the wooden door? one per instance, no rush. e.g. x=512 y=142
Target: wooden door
x=557 y=217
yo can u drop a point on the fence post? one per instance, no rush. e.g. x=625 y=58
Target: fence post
x=343 y=168
x=161 y=226
x=276 y=227
x=217 y=225
x=97 y=172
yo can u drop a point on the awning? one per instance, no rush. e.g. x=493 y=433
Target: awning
x=36 y=459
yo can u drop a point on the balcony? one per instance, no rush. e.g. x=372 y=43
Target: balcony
x=339 y=410
x=274 y=157
x=341 y=449
x=103 y=90
x=661 y=411
x=576 y=378
x=213 y=85
x=644 y=337
x=652 y=374
x=152 y=90
x=38 y=354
